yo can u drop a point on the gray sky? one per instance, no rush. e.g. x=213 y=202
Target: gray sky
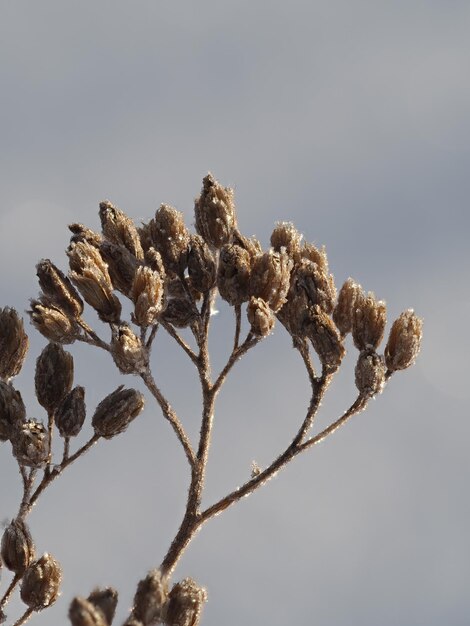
x=351 y=119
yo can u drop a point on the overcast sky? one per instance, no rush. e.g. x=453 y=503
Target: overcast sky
x=349 y=118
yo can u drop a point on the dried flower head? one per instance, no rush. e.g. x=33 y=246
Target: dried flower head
x=171 y=238
x=115 y=412
x=318 y=288
x=186 y=600
x=147 y=293
x=12 y=410
x=180 y=312
x=370 y=373
x=250 y=244
x=312 y=253
x=270 y=278
x=130 y=356
x=13 y=343
x=150 y=598
x=120 y=229
x=58 y=288
x=84 y=613
x=260 y=317
x=17 y=546
x=404 y=341
x=54 y=376
x=154 y=260
x=41 y=583
x=369 y=319
x=71 y=413
x=344 y=309
x=202 y=267
x=106 y=601
x=214 y=212
x=233 y=276
x=52 y=322
x=325 y=338
x=83 y=234
x=30 y=444
x=90 y=273
x=145 y=235
x=285 y=235
x=122 y=265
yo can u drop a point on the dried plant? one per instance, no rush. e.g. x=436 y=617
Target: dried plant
x=172 y=278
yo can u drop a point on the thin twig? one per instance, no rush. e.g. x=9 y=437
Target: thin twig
x=6 y=596
x=24 y=618
x=153 y=332
x=25 y=500
x=91 y=337
x=238 y=325
x=172 y=332
x=250 y=341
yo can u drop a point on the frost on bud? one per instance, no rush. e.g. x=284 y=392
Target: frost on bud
x=347 y=298
x=325 y=338
x=270 y=278
x=120 y=229
x=214 y=213
x=71 y=413
x=368 y=323
x=370 y=373
x=180 y=312
x=233 y=277
x=150 y=598
x=285 y=235
x=106 y=601
x=52 y=322
x=31 y=444
x=17 y=546
x=114 y=414
x=154 y=260
x=84 y=613
x=12 y=410
x=186 y=600
x=202 y=267
x=145 y=235
x=90 y=274
x=13 y=343
x=54 y=376
x=404 y=341
x=316 y=286
x=260 y=317
x=58 y=289
x=170 y=237
x=147 y=294
x=122 y=265
x=250 y=244
x=83 y=234
x=312 y=253
x=130 y=356
x=41 y=583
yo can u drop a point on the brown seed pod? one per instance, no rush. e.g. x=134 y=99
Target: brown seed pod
x=120 y=229
x=180 y=312
x=150 y=598
x=171 y=238
x=122 y=265
x=325 y=338
x=17 y=546
x=312 y=253
x=147 y=293
x=233 y=276
x=54 y=376
x=370 y=373
x=12 y=410
x=318 y=287
x=202 y=267
x=115 y=412
x=270 y=278
x=52 y=322
x=30 y=444
x=58 y=288
x=368 y=323
x=130 y=356
x=404 y=341
x=260 y=317
x=83 y=234
x=106 y=601
x=41 y=583
x=186 y=600
x=343 y=312
x=214 y=212
x=250 y=244
x=84 y=613
x=285 y=235
x=14 y=343
x=71 y=413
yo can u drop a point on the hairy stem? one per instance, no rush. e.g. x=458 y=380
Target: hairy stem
x=24 y=618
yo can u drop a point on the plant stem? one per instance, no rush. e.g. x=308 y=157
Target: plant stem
x=24 y=618
x=6 y=596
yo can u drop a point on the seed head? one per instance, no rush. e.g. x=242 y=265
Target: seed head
x=84 y=613
x=71 y=413
x=214 y=213
x=180 y=312
x=325 y=338
x=129 y=354
x=186 y=600
x=120 y=229
x=171 y=238
x=233 y=276
x=404 y=341
x=147 y=293
x=260 y=317
x=154 y=260
x=270 y=278
x=318 y=288
x=30 y=444
x=54 y=376
x=150 y=598
x=83 y=234
x=13 y=343
x=106 y=601
x=368 y=323
x=17 y=546
x=41 y=583
x=58 y=288
x=114 y=414
x=285 y=235
x=344 y=309
x=12 y=410
x=250 y=244
x=52 y=322
x=312 y=253
x=370 y=373
x=202 y=267
x=122 y=265
x=145 y=235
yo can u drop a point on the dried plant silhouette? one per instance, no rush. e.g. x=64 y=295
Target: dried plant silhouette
x=172 y=278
